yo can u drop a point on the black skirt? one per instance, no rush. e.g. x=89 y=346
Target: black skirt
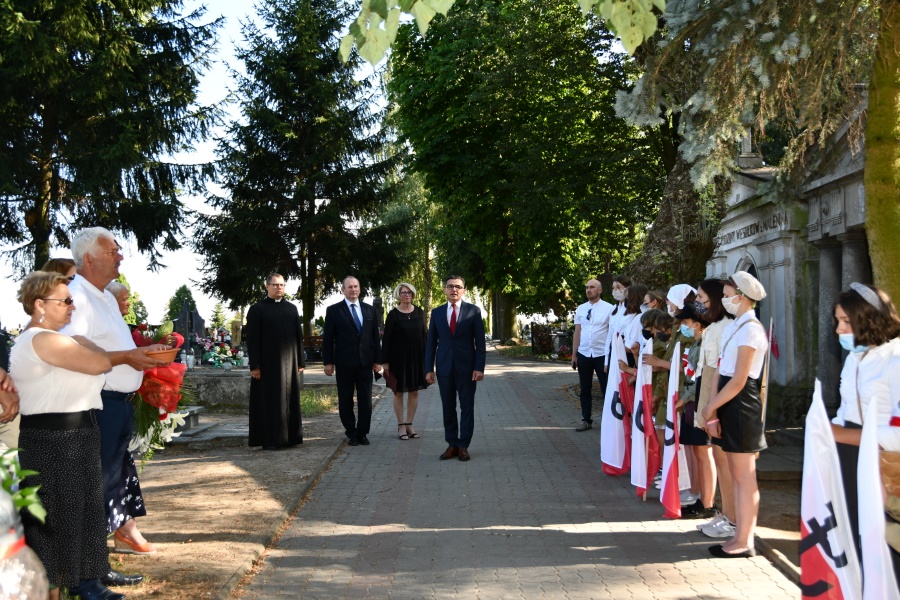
x=741 y=419
x=72 y=542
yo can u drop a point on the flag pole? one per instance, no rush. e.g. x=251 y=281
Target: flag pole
x=647 y=456
x=764 y=380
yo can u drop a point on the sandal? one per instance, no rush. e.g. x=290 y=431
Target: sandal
x=403 y=436
x=413 y=435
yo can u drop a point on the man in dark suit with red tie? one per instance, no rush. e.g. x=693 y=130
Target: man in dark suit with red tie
x=456 y=345
x=351 y=350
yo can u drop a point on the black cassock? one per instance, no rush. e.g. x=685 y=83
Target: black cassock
x=275 y=346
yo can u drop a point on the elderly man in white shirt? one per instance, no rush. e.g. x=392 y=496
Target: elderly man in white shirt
x=589 y=345
x=97 y=318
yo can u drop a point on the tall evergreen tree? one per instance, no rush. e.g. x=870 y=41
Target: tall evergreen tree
x=176 y=302
x=301 y=168
x=94 y=96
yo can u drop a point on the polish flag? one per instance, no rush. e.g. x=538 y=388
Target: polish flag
x=670 y=496
x=879 y=582
x=829 y=566
x=645 y=458
x=615 y=430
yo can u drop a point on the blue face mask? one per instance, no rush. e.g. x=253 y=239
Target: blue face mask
x=686 y=331
x=846 y=340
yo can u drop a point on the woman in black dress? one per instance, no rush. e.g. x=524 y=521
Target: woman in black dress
x=403 y=348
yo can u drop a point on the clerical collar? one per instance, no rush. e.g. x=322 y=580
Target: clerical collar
x=277 y=299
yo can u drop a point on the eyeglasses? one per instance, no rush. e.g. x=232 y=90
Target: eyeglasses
x=276 y=284
x=453 y=286
x=590 y=310
x=406 y=293
x=67 y=301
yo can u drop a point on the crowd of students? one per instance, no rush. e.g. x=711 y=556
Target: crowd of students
x=721 y=403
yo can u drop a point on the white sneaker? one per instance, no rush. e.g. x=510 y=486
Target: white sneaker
x=722 y=529
x=687 y=498
x=714 y=521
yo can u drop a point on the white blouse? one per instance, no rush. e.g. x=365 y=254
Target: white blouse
x=734 y=336
x=868 y=376
x=44 y=388
x=712 y=338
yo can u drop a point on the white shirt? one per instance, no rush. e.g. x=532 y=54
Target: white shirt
x=450 y=310
x=630 y=326
x=615 y=326
x=752 y=334
x=44 y=388
x=351 y=304
x=97 y=318
x=869 y=375
x=594 y=329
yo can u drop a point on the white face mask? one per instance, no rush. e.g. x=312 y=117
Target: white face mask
x=671 y=310
x=619 y=295
x=729 y=304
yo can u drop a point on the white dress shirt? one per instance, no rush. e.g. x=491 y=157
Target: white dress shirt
x=594 y=329
x=752 y=334
x=97 y=318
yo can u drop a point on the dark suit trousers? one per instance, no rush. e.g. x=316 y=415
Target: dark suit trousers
x=587 y=366
x=458 y=432
x=358 y=379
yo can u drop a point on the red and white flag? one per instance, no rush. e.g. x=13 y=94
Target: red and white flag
x=829 y=567
x=615 y=431
x=645 y=459
x=879 y=582
x=670 y=496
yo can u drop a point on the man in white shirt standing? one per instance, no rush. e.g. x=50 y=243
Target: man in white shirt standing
x=589 y=342
x=97 y=317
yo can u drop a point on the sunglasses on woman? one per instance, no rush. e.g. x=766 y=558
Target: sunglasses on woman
x=66 y=301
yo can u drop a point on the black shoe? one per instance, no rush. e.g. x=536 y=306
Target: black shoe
x=116 y=578
x=719 y=552
x=94 y=590
x=693 y=511
x=353 y=442
x=363 y=440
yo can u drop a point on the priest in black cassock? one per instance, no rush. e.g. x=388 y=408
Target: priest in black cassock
x=275 y=346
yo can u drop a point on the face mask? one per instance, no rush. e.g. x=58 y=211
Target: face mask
x=729 y=304
x=686 y=331
x=671 y=310
x=699 y=307
x=846 y=340
x=663 y=337
x=646 y=333
x=619 y=295
x=644 y=308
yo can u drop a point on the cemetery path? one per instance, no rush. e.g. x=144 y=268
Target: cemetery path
x=530 y=511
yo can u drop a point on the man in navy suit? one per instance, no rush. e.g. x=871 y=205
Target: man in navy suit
x=456 y=343
x=351 y=350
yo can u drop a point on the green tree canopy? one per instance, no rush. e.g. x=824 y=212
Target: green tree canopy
x=509 y=109
x=301 y=169
x=94 y=96
x=176 y=302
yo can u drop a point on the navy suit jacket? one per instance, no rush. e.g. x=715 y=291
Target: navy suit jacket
x=342 y=345
x=459 y=353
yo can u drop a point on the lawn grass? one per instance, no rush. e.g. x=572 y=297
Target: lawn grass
x=317 y=401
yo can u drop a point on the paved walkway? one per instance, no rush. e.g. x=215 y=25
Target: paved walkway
x=530 y=516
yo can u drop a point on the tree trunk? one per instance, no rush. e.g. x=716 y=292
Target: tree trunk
x=427 y=277
x=882 y=170
x=38 y=218
x=503 y=316
x=308 y=292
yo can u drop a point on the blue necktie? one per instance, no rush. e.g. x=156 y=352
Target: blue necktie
x=356 y=318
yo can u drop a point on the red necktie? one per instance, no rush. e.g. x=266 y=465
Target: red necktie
x=453 y=320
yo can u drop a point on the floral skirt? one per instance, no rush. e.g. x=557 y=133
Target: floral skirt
x=128 y=502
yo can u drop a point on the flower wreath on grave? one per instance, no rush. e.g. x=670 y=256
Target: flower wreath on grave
x=156 y=402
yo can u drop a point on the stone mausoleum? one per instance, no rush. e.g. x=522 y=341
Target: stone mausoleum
x=804 y=249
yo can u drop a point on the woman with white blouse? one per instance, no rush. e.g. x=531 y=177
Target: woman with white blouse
x=735 y=412
x=867 y=325
x=59 y=380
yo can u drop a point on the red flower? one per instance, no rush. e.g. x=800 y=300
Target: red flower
x=142 y=327
x=234 y=350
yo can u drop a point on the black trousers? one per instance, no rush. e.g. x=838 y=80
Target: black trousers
x=358 y=380
x=587 y=367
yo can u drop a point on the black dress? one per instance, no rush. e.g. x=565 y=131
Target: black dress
x=275 y=346
x=403 y=348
